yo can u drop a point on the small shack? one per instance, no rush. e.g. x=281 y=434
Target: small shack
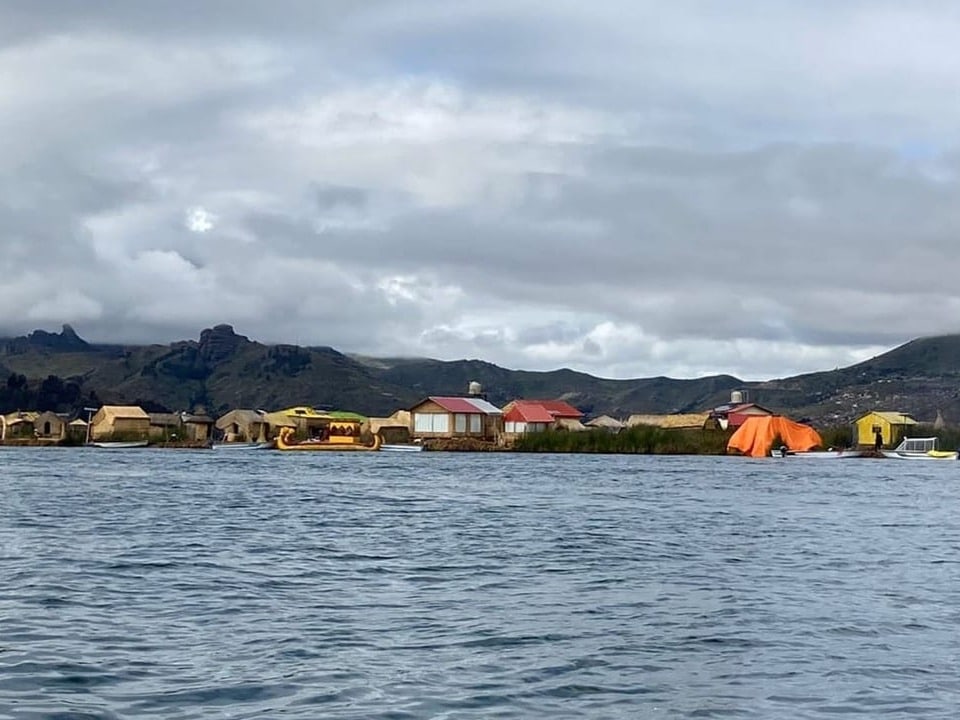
x=243 y=426
x=394 y=429
x=892 y=426
x=50 y=426
x=77 y=430
x=197 y=427
x=18 y=424
x=120 y=421
x=165 y=426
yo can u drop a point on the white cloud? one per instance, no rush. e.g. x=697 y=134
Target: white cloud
x=199 y=220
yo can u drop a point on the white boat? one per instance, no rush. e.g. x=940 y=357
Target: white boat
x=843 y=453
x=920 y=448
x=402 y=448
x=119 y=445
x=242 y=445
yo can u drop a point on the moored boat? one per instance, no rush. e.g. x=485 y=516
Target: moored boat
x=920 y=448
x=338 y=435
x=242 y=445
x=842 y=453
x=405 y=447
x=119 y=445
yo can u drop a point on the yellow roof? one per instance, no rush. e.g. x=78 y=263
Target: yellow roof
x=894 y=418
x=301 y=411
x=279 y=419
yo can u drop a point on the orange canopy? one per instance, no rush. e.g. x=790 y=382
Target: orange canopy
x=755 y=437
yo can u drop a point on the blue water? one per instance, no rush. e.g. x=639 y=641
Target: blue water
x=169 y=584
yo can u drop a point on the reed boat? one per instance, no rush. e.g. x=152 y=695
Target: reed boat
x=338 y=435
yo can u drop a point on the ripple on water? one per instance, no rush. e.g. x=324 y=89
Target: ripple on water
x=192 y=585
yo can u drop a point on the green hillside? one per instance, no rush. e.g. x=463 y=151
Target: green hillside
x=224 y=370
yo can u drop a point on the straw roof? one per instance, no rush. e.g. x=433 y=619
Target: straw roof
x=21 y=416
x=112 y=412
x=680 y=421
x=571 y=424
x=240 y=417
x=605 y=421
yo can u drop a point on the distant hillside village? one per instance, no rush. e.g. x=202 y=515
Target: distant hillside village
x=439 y=422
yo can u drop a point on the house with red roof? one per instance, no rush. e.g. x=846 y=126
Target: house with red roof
x=733 y=415
x=526 y=416
x=447 y=417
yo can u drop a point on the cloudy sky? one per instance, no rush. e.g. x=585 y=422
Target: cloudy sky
x=626 y=187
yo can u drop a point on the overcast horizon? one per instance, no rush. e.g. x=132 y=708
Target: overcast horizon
x=628 y=189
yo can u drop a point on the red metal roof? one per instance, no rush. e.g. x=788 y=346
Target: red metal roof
x=528 y=412
x=556 y=408
x=470 y=406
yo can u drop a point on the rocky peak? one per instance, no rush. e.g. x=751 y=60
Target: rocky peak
x=65 y=341
x=219 y=342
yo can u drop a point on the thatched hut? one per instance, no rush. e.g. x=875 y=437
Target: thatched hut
x=120 y=420
x=243 y=426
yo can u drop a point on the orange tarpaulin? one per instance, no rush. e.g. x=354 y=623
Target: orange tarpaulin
x=755 y=436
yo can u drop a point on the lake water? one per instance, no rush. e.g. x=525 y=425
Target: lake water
x=166 y=584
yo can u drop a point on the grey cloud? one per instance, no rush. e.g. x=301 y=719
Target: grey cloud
x=334 y=196
x=632 y=189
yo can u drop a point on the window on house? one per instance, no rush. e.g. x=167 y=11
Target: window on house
x=476 y=424
x=431 y=423
x=460 y=423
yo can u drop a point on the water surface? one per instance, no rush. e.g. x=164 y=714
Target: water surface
x=167 y=584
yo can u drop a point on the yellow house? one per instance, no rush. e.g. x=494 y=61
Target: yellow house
x=892 y=426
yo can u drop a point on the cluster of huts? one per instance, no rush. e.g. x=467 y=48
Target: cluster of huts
x=109 y=422
x=470 y=416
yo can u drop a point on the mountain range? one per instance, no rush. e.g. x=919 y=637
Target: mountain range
x=223 y=370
